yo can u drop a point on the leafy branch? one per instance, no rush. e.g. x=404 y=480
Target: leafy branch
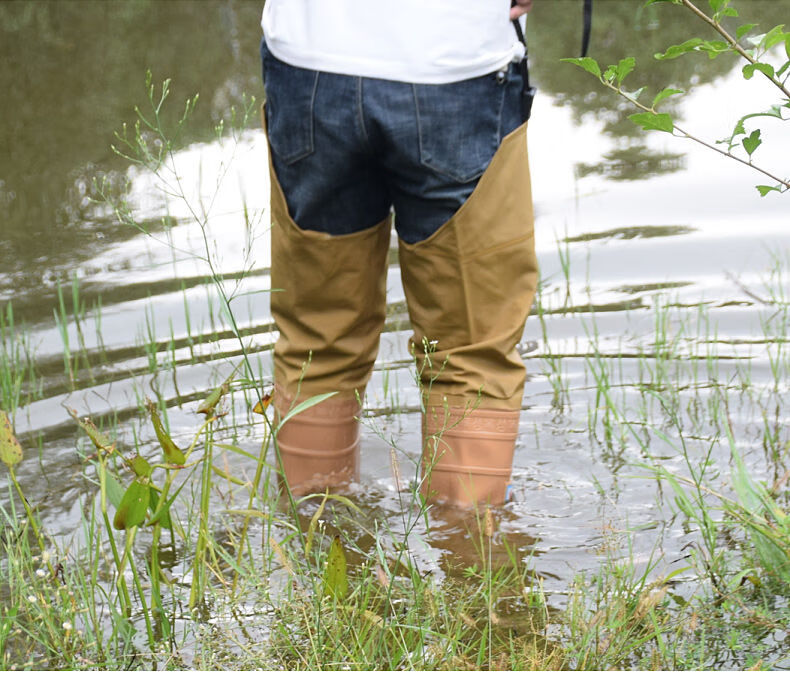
x=650 y=118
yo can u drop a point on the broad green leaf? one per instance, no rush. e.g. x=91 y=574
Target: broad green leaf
x=678 y=50
x=773 y=37
x=714 y=47
x=765 y=68
x=664 y=94
x=114 y=491
x=10 y=449
x=163 y=515
x=624 y=68
x=336 y=572
x=716 y=5
x=764 y=190
x=140 y=466
x=587 y=63
x=171 y=452
x=743 y=30
x=659 y=121
x=299 y=408
x=134 y=506
x=752 y=142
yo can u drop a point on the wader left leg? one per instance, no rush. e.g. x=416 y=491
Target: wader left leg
x=469 y=288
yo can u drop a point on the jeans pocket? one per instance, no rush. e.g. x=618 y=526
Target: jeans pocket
x=460 y=124
x=290 y=94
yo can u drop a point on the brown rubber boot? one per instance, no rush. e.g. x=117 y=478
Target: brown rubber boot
x=319 y=447
x=468 y=455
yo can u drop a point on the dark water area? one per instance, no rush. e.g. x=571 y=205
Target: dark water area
x=661 y=267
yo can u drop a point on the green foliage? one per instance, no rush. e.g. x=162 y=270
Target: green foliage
x=755 y=53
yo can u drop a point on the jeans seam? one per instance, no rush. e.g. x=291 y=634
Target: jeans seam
x=312 y=112
x=361 y=115
x=417 y=118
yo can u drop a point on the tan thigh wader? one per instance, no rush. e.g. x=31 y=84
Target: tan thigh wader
x=469 y=288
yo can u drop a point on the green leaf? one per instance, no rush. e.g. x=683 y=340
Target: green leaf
x=171 y=452
x=134 y=506
x=664 y=94
x=114 y=491
x=773 y=37
x=678 y=50
x=587 y=63
x=624 y=68
x=752 y=142
x=163 y=515
x=141 y=467
x=765 y=68
x=10 y=449
x=336 y=572
x=661 y=122
x=764 y=190
x=743 y=30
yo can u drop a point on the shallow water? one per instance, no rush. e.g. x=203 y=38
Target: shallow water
x=644 y=241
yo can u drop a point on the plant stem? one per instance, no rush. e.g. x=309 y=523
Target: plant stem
x=732 y=42
x=684 y=134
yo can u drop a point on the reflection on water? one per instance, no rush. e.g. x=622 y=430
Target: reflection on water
x=633 y=163
x=617 y=291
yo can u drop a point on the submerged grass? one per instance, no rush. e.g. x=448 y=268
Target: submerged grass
x=186 y=555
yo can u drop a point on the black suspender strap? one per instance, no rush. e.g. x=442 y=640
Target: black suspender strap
x=527 y=92
x=587 y=26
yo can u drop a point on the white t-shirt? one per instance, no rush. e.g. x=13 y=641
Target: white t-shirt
x=422 y=41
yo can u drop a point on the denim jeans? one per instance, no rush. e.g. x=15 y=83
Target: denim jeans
x=347 y=150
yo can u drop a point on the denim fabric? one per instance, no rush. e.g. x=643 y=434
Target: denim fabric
x=347 y=149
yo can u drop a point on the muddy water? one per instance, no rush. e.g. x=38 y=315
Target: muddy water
x=644 y=241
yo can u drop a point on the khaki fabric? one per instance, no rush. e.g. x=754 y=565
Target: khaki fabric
x=328 y=301
x=470 y=286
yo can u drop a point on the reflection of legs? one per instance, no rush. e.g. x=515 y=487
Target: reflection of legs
x=329 y=305
x=469 y=288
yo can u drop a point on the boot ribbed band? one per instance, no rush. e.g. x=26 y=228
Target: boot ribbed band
x=319 y=447
x=468 y=454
